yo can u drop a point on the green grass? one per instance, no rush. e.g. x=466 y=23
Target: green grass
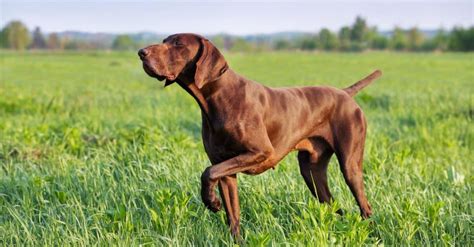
x=94 y=152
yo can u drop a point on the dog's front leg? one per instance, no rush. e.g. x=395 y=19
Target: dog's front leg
x=240 y=163
x=230 y=197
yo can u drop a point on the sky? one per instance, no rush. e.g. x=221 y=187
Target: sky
x=233 y=17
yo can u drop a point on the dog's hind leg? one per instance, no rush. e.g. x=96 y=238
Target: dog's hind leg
x=313 y=163
x=350 y=151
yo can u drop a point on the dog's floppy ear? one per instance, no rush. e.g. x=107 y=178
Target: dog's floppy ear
x=211 y=64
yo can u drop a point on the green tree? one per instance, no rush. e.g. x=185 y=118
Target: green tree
x=359 y=34
x=440 y=40
x=307 y=43
x=327 y=40
x=38 y=41
x=3 y=38
x=15 y=35
x=359 y=30
x=399 y=40
x=371 y=36
x=344 y=38
x=461 y=39
x=123 y=42
x=282 y=44
x=414 y=39
x=379 y=42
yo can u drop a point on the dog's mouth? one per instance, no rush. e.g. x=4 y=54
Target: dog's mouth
x=152 y=73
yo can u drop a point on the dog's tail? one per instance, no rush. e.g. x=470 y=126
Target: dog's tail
x=356 y=87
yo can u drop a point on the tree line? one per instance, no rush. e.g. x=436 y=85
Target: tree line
x=357 y=37
x=16 y=36
x=360 y=37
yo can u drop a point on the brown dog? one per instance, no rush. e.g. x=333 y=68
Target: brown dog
x=249 y=128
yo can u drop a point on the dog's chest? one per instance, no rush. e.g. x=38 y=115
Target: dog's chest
x=224 y=140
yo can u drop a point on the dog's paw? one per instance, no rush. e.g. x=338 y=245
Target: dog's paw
x=211 y=201
x=207 y=192
x=366 y=212
x=214 y=205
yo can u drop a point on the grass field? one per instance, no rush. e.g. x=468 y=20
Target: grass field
x=94 y=152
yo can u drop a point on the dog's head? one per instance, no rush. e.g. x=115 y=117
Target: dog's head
x=183 y=56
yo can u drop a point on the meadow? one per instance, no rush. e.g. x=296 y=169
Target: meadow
x=94 y=152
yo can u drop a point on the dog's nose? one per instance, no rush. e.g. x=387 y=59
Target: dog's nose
x=142 y=53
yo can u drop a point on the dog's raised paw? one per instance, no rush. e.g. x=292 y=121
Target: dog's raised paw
x=211 y=201
x=214 y=205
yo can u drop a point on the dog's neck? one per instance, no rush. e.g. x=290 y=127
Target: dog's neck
x=203 y=95
x=212 y=87
x=194 y=91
